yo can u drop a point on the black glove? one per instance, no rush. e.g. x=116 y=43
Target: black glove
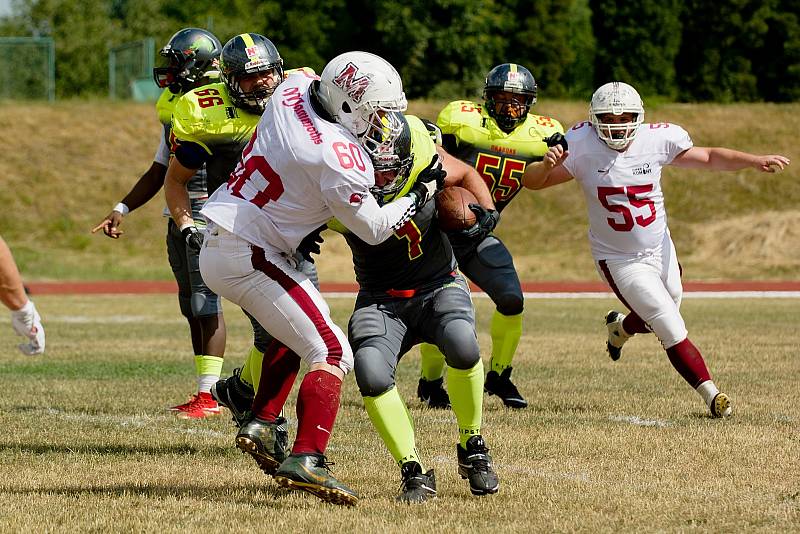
x=310 y=244
x=434 y=131
x=193 y=237
x=429 y=181
x=557 y=139
x=485 y=222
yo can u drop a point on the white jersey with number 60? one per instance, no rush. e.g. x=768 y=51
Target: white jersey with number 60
x=297 y=172
x=623 y=189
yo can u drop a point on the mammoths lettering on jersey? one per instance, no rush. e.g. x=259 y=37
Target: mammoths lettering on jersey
x=293 y=99
x=354 y=87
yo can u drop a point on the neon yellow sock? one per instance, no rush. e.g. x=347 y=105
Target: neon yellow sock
x=431 y=361
x=251 y=370
x=506 y=331
x=208 y=370
x=390 y=417
x=466 y=396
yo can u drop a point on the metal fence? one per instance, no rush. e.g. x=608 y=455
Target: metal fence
x=130 y=71
x=27 y=68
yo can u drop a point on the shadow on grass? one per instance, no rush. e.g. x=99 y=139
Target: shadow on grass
x=247 y=494
x=111 y=450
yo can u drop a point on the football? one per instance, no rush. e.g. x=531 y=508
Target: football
x=452 y=204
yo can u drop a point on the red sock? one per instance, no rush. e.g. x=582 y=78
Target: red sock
x=688 y=361
x=633 y=324
x=278 y=372
x=317 y=406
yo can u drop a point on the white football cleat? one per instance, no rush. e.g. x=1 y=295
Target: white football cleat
x=27 y=323
x=721 y=406
x=616 y=335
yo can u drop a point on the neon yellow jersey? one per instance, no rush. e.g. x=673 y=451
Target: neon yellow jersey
x=498 y=156
x=165 y=105
x=207 y=117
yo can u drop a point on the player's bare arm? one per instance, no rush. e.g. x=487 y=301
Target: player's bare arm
x=148 y=185
x=726 y=159
x=549 y=171
x=177 y=198
x=463 y=175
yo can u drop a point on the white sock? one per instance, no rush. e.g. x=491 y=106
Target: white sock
x=707 y=390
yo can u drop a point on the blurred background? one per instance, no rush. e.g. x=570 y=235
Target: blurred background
x=695 y=50
x=79 y=127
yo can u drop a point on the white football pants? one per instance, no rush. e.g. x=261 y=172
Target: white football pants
x=268 y=285
x=650 y=285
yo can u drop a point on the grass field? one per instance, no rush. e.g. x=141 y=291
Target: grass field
x=625 y=446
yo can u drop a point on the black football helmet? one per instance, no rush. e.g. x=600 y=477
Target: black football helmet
x=246 y=54
x=394 y=163
x=509 y=78
x=188 y=56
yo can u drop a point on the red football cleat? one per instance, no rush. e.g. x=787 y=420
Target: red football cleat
x=199 y=406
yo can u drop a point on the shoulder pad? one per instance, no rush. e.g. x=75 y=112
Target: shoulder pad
x=458 y=113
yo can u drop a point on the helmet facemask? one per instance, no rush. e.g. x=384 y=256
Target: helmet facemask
x=255 y=99
x=393 y=159
x=508 y=112
x=616 y=98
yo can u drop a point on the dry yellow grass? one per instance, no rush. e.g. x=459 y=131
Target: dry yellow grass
x=604 y=447
x=67 y=164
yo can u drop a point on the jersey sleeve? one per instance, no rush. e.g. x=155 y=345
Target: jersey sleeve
x=188 y=123
x=677 y=141
x=457 y=114
x=347 y=195
x=162 y=153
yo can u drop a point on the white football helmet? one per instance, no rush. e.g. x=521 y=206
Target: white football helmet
x=361 y=91
x=616 y=98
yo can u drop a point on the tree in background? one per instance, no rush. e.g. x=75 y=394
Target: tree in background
x=751 y=51
x=637 y=42
x=721 y=50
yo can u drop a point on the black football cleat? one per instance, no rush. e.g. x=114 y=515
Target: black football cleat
x=501 y=385
x=475 y=464
x=417 y=486
x=433 y=394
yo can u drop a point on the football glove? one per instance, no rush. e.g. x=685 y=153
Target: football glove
x=557 y=139
x=193 y=237
x=311 y=244
x=485 y=222
x=27 y=323
x=429 y=181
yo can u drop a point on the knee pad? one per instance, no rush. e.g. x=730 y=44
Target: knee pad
x=510 y=303
x=669 y=328
x=204 y=304
x=374 y=370
x=458 y=343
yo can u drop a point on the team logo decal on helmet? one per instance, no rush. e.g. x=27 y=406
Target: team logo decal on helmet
x=352 y=86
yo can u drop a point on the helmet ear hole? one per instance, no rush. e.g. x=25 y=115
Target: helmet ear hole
x=346 y=107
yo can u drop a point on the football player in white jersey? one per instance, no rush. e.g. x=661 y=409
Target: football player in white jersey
x=617 y=159
x=307 y=162
x=24 y=318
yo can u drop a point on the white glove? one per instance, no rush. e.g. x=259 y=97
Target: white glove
x=27 y=323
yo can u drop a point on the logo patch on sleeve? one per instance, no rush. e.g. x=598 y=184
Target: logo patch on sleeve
x=357 y=198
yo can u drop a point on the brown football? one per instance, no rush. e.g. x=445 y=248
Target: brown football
x=452 y=204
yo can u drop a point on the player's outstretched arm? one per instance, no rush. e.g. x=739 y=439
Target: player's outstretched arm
x=549 y=171
x=726 y=159
x=148 y=185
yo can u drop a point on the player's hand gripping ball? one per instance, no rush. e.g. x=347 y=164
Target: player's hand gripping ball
x=452 y=205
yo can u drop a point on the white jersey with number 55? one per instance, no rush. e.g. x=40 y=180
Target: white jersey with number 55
x=623 y=189
x=297 y=172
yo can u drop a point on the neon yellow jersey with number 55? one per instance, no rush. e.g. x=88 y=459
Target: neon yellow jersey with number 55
x=471 y=135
